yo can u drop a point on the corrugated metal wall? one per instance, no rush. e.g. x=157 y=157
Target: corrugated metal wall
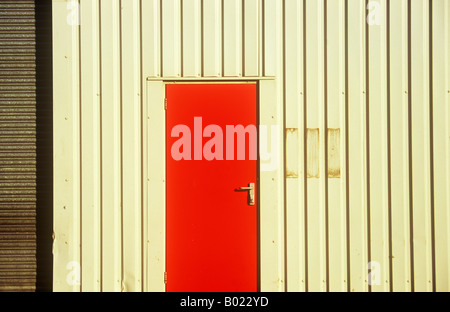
x=17 y=146
x=363 y=87
x=25 y=146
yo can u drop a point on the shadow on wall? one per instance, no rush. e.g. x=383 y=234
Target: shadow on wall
x=44 y=145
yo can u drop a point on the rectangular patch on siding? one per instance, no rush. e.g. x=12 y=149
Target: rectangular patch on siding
x=292 y=153
x=334 y=153
x=312 y=151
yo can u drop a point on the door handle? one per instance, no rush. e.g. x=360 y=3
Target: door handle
x=251 y=193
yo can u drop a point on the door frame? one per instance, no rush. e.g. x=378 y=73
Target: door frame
x=270 y=210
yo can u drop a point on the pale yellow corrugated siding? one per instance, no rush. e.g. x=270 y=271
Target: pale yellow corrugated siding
x=365 y=109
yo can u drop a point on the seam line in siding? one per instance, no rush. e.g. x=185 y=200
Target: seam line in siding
x=121 y=147
x=430 y=64
x=223 y=35
x=202 y=40
x=263 y=37
x=161 y=51
x=389 y=165
x=143 y=176
x=411 y=205
x=305 y=150
x=80 y=130
x=285 y=147
x=367 y=88
x=181 y=4
x=101 y=138
x=325 y=150
x=347 y=191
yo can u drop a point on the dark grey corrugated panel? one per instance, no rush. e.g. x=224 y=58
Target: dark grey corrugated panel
x=18 y=112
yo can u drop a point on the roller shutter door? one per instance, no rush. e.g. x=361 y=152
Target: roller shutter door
x=25 y=144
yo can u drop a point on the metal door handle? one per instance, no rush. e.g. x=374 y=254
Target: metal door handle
x=251 y=193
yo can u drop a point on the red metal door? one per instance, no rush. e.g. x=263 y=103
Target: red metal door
x=211 y=224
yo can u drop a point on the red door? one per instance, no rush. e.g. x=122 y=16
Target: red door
x=211 y=153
